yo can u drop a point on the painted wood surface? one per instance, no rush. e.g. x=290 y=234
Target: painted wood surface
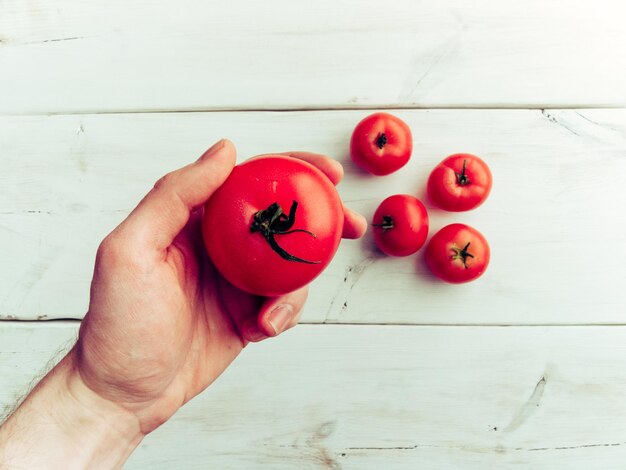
x=445 y=391
x=554 y=219
x=398 y=397
x=114 y=55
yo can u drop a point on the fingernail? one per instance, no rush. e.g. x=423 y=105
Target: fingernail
x=280 y=317
x=252 y=332
x=213 y=149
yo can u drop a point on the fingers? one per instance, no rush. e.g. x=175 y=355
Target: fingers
x=277 y=314
x=165 y=210
x=330 y=167
x=354 y=224
x=241 y=307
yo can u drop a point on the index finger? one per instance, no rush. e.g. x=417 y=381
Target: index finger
x=330 y=167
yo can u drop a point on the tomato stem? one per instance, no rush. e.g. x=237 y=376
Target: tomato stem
x=381 y=140
x=273 y=221
x=461 y=178
x=462 y=254
x=387 y=223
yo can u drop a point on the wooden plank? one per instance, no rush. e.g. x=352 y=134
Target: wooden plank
x=552 y=220
x=75 y=56
x=373 y=397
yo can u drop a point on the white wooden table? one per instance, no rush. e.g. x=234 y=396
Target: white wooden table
x=524 y=368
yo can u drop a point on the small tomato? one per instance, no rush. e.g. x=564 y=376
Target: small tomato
x=400 y=225
x=460 y=182
x=458 y=253
x=381 y=144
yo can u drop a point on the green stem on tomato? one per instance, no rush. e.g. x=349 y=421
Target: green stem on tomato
x=462 y=254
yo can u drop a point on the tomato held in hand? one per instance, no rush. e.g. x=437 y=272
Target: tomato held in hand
x=457 y=253
x=459 y=183
x=274 y=225
x=400 y=225
x=381 y=144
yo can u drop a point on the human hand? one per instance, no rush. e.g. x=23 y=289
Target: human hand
x=162 y=323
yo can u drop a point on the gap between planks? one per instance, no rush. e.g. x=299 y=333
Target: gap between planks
x=368 y=107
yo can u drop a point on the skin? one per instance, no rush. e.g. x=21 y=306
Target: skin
x=447 y=260
x=162 y=325
x=453 y=190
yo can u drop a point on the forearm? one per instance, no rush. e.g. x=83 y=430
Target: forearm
x=63 y=424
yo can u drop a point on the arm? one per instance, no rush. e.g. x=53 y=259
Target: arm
x=64 y=424
x=162 y=325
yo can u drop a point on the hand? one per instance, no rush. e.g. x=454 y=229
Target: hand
x=162 y=323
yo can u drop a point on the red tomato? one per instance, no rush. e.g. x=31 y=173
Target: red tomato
x=400 y=225
x=459 y=183
x=273 y=226
x=457 y=253
x=381 y=144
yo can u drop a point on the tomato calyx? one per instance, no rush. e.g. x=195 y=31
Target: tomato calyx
x=273 y=221
x=462 y=254
x=381 y=140
x=387 y=223
x=461 y=178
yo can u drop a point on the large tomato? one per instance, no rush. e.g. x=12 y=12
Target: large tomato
x=400 y=225
x=274 y=225
x=460 y=182
x=381 y=143
x=457 y=253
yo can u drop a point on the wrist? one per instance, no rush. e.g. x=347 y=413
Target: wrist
x=81 y=429
x=113 y=432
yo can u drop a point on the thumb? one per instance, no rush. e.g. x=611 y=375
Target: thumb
x=165 y=210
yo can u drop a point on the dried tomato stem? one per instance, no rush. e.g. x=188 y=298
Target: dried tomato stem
x=461 y=178
x=387 y=223
x=273 y=221
x=381 y=140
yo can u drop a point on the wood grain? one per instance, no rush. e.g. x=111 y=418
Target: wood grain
x=369 y=397
x=553 y=220
x=82 y=139
x=113 y=55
